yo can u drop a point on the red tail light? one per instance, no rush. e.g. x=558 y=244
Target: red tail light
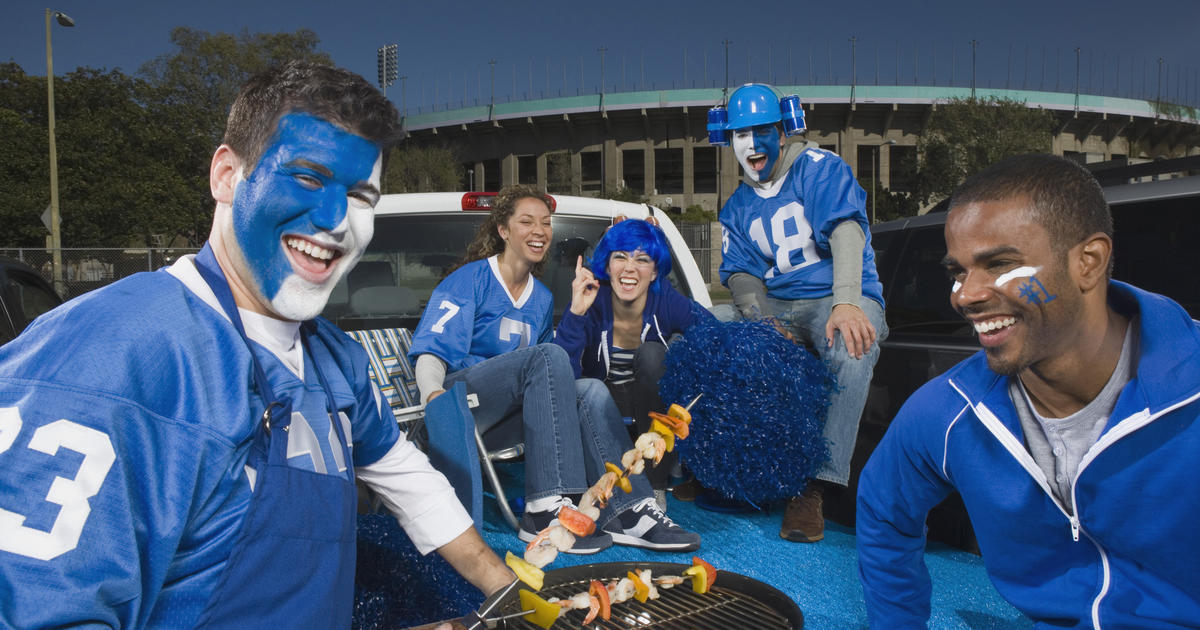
x=483 y=201
x=480 y=201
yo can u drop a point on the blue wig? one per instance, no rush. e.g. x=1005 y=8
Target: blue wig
x=632 y=235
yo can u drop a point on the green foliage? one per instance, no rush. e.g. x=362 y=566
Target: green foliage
x=558 y=173
x=133 y=152
x=696 y=213
x=207 y=70
x=966 y=135
x=414 y=168
x=118 y=178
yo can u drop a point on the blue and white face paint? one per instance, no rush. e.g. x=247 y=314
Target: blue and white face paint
x=757 y=149
x=304 y=215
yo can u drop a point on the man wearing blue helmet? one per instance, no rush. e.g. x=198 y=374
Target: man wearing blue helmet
x=796 y=248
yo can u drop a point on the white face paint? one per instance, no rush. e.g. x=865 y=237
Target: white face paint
x=1019 y=272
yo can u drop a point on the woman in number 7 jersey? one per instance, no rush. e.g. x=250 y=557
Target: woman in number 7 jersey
x=489 y=324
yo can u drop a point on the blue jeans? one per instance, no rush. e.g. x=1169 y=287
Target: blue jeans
x=570 y=428
x=806 y=320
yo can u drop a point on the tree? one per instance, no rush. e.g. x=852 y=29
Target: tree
x=413 y=168
x=966 y=135
x=208 y=69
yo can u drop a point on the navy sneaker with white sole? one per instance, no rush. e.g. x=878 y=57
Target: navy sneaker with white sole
x=533 y=523
x=645 y=526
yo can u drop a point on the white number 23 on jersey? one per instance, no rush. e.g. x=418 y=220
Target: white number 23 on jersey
x=71 y=494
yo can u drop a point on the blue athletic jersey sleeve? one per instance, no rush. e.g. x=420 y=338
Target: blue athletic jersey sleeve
x=124 y=474
x=783 y=237
x=471 y=317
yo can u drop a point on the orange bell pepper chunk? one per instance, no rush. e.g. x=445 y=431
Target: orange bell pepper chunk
x=597 y=590
x=677 y=425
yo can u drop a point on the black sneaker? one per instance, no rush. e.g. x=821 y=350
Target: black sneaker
x=645 y=526
x=534 y=522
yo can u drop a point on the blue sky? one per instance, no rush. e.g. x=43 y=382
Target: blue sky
x=444 y=47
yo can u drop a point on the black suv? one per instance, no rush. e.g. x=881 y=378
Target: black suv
x=1157 y=229
x=24 y=295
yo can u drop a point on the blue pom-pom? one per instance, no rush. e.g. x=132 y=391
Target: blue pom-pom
x=756 y=434
x=397 y=587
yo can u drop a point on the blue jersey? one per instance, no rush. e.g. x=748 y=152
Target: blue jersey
x=126 y=419
x=471 y=317
x=781 y=235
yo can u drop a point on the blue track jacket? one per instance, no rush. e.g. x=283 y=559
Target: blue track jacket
x=1130 y=558
x=587 y=338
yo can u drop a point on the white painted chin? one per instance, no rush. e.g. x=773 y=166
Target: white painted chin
x=300 y=300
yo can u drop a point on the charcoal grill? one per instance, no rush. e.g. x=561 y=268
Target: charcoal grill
x=735 y=601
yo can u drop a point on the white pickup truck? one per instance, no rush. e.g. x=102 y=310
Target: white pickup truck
x=420 y=236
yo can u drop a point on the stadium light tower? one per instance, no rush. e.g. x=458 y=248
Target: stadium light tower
x=388 y=66
x=55 y=228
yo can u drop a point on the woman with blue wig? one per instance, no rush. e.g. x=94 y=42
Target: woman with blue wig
x=623 y=312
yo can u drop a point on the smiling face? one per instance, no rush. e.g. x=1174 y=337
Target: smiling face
x=528 y=231
x=630 y=274
x=302 y=218
x=1011 y=284
x=757 y=149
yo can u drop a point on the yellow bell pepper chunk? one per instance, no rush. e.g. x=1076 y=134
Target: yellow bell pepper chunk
x=640 y=590
x=544 y=613
x=699 y=578
x=525 y=571
x=667 y=434
x=622 y=481
x=678 y=411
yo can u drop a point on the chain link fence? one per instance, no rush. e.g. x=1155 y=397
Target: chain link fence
x=85 y=269
x=698 y=236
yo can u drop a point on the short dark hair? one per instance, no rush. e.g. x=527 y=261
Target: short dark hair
x=1067 y=199
x=632 y=235
x=487 y=241
x=338 y=96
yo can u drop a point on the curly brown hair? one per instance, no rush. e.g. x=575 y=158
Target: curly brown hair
x=487 y=241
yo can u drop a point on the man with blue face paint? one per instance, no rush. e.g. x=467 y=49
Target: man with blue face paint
x=796 y=249
x=195 y=464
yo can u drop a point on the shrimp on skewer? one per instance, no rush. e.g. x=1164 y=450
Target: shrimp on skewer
x=652 y=446
x=632 y=462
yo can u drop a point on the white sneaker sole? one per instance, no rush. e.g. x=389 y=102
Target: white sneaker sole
x=634 y=541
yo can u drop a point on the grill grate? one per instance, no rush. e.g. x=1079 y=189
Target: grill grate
x=741 y=603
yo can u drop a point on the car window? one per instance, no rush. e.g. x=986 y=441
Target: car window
x=919 y=298
x=410 y=254
x=1153 y=245
x=32 y=298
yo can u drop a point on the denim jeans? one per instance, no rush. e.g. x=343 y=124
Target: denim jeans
x=806 y=320
x=570 y=428
x=637 y=398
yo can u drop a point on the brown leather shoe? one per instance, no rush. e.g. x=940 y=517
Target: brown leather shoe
x=687 y=490
x=803 y=520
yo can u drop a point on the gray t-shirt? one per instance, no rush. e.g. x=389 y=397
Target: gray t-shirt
x=1059 y=444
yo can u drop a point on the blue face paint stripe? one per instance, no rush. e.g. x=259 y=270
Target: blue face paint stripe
x=299 y=186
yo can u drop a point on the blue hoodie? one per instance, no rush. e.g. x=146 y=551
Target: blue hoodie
x=1128 y=558
x=587 y=338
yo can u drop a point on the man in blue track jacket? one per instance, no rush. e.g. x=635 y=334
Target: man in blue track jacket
x=1072 y=437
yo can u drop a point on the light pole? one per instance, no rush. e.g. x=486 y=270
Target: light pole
x=725 y=90
x=492 y=103
x=55 y=228
x=875 y=175
x=974 y=43
x=853 y=69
